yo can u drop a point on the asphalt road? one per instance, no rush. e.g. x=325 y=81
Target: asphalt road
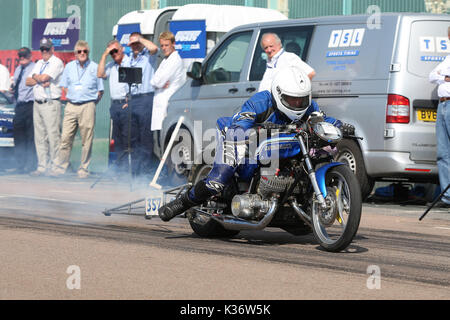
x=57 y=244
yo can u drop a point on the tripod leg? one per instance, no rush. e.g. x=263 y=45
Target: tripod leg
x=115 y=164
x=434 y=202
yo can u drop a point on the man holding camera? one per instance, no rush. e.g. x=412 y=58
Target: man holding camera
x=143 y=56
x=141 y=139
x=118 y=92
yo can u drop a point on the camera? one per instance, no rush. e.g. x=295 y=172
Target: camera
x=130 y=75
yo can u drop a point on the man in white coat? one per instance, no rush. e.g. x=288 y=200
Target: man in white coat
x=167 y=79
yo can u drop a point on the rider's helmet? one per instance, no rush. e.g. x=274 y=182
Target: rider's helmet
x=291 y=89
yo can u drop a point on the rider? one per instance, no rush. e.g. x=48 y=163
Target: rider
x=288 y=101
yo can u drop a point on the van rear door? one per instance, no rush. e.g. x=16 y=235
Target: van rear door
x=428 y=46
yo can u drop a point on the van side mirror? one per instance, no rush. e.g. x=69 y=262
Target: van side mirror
x=195 y=70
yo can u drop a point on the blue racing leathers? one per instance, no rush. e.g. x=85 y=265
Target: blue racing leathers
x=232 y=132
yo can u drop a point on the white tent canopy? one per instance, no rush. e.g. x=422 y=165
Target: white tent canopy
x=146 y=19
x=219 y=18
x=223 y=18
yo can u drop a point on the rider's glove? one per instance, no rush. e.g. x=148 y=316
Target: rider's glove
x=348 y=130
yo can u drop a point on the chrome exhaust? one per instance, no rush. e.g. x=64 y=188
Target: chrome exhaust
x=302 y=214
x=240 y=224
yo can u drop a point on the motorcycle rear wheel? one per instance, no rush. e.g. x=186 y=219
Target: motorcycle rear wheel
x=335 y=227
x=202 y=225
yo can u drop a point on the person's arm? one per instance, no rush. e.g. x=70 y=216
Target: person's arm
x=311 y=75
x=99 y=97
x=164 y=73
x=31 y=81
x=101 y=69
x=436 y=75
x=151 y=47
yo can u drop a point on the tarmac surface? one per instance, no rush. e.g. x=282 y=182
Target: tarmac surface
x=53 y=226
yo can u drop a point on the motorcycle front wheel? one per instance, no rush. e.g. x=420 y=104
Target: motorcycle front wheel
x=335 y=227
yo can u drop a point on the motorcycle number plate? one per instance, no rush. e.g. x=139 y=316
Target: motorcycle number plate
x=153 y=203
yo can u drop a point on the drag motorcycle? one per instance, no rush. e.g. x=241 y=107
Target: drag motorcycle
x=306 y=192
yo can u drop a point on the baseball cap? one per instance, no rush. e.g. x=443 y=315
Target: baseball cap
x=24 y=52
x=45 y=43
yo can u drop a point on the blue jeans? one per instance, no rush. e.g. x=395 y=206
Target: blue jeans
x=443 y=146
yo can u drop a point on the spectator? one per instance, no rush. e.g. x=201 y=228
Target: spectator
x=143 y=56
x=44 y=79
x=278 y=58
x=83 y=91
x=167 y=79
x=5 y=79
x=118 y=92
x=441 y=76
x=24 y=148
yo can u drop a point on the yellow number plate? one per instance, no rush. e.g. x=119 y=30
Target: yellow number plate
x=426 y=115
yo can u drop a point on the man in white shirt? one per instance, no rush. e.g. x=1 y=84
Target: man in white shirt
x=278 y=58
x=441 y=76
x=44 y=78
x=5 y=79
x=167 y=79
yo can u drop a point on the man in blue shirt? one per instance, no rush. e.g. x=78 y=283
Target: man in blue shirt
x=24 y=147
x=143 y=56
x=118 y=93
x=83 y=91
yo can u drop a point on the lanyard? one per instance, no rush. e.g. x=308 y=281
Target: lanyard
x=83 y=71
x=43 y=67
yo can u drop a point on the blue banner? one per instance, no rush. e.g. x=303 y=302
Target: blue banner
x=190 y=38
x=62 y=31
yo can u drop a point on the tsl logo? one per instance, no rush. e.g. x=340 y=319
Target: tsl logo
x=435 y=44
x=346 y=38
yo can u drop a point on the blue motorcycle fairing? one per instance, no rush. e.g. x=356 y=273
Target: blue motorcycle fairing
x=320 y=176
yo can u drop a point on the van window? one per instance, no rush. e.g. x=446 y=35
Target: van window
x=294 y=39
x=225 y=65
x=428 y=46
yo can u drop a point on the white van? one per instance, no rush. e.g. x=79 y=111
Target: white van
x=374 y=77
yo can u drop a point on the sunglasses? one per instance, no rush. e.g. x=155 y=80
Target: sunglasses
x=44 y=49
x=113 y=52
x=83 y=51
x=23 y=55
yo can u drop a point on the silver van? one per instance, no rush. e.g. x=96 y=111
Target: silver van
x=371 y=72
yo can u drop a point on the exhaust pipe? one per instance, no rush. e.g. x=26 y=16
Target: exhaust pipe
x=302 y=214
x=241 y=224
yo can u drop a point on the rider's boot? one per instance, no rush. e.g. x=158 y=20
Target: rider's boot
x=176 y=207
x=193 y=197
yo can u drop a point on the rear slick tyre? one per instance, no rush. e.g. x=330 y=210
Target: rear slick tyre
x=202 y=225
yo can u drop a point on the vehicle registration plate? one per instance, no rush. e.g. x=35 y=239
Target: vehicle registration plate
x=426 y=115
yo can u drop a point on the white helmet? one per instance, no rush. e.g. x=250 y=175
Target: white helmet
x=291 y=89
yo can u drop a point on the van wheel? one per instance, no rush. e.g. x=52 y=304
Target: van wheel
x=181 y=158
x=202 y=225
x=350 y=154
